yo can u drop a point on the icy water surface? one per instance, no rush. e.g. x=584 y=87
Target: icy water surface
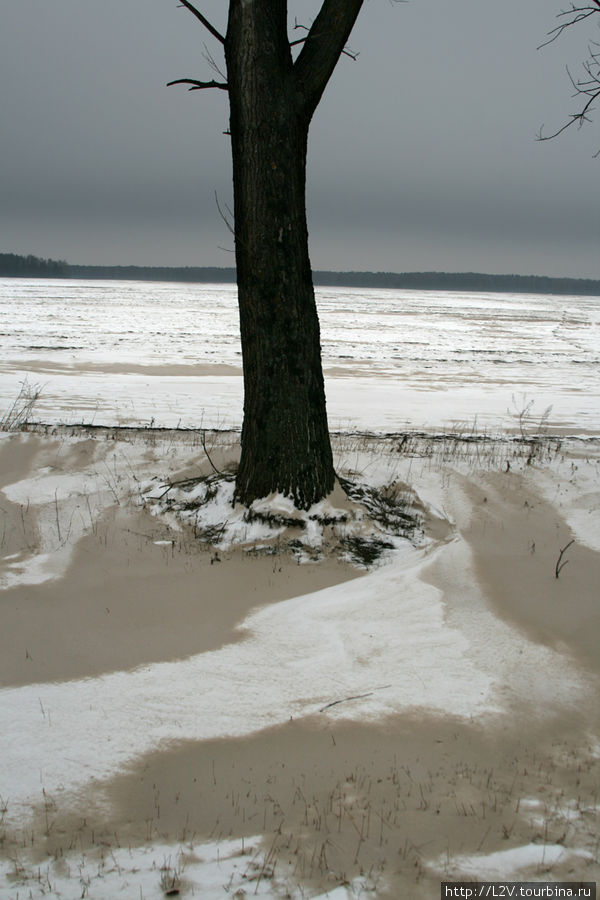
x=110 y=351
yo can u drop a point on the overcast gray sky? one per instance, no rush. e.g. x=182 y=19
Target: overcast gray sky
x=422 y=154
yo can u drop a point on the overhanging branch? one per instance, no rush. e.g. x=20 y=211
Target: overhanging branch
x=587 y=86
x=211 y=28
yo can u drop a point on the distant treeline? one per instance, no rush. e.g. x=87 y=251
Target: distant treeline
x=31 y=266
x=13 y=266
x=461 y=281
x=207 y=275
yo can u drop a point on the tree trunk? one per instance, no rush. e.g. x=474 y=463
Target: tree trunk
x=285 y=438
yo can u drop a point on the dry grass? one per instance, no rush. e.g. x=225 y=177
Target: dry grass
x=19 y=415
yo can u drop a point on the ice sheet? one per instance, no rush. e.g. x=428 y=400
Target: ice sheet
x=393 y=359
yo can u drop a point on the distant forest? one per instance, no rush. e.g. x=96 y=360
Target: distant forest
x=13 y=266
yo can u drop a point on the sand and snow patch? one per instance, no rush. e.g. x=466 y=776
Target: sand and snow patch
x=377 y=646
x=571 y=485
x=52 y=509
x=381 y=639
x=210 y=870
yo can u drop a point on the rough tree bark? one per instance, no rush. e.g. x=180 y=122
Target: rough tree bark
x=285 y=437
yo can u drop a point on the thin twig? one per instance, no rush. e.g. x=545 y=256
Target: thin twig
x=223 y=216
x=353 y=54
x=560 y=565
x=213 y=63
x=588 y=86
x=56 y=508
x=579 y=13
x=354 y=697
x=203 y=440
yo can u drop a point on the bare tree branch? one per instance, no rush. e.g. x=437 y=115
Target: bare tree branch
x=325 y=42
x=353 y=54
x=577 y=13
x=199 y=85
x=212 y=63
x=587 y=86
x=204 y=20
x=223 y=216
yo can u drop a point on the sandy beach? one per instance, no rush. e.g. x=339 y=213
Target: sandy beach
x=241 y=718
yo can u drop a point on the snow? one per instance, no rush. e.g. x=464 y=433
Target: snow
x=46 y=486
x=541 y=814
x=393 y=360
x=209 y=505
x=34 y=569
x=208 y=870
x=506 y=863
x=575 y=492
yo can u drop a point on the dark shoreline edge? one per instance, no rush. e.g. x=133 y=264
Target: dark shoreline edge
x=402 y=438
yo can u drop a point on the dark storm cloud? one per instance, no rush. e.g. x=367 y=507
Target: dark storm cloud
x=422 y=154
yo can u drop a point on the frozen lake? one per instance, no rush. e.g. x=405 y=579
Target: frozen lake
x=130 y=352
